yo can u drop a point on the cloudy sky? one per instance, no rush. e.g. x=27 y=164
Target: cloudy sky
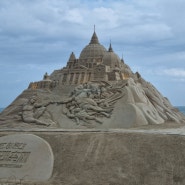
x=37 y=36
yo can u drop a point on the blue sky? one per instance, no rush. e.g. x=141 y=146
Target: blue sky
x=38 y=36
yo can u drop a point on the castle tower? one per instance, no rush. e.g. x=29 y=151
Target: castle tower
x=95 y=63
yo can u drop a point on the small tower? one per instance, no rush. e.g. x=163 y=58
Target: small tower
x=72 y=57
x=122 y=58
x=110 y=48
x=71 y=61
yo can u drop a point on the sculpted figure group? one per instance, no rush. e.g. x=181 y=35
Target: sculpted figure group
x=93 y=101
x=89 y=101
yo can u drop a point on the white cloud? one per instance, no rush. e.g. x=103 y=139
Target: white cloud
x=51 y=17
x=175 y=72
x=73 y=16
x=162 y=71
x=106 y=15
x=150 y=33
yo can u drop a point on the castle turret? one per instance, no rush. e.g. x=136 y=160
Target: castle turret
x=72 y=57
x=72 y=60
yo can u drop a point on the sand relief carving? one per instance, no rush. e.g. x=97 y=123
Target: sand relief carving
x=92 y=101
x=162 y=105
x=87 y=102
x=32 y=111
x=143 y=103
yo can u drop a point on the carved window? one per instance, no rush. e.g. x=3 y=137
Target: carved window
x=40 y=85
x=76 y=78
x=82 y=77
x=71 y=77
x=43 y=85
x=34 y=85
x=99 y=72
x=89 y=77
x=64 y=78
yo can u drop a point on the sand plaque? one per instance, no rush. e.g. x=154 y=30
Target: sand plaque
x=25 y=157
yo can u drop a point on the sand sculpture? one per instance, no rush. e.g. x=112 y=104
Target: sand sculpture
x=92 y=122
x=98 y=90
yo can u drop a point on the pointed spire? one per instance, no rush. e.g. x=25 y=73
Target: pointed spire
x=94 y=38
x=72 y=57
x=122 y=58
x=110 y=47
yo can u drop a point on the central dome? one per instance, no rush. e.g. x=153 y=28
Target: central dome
x=93 y=50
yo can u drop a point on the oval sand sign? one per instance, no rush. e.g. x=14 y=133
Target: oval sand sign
x=25 y=157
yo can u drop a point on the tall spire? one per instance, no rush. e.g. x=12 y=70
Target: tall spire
x=94 y=38
x=110 y=47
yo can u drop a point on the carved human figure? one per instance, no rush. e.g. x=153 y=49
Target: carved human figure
x=81 y=114
x=85 y=109
x=90 y=104
x=31 y=114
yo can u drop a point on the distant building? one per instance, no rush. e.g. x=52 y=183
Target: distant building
x=95 y=63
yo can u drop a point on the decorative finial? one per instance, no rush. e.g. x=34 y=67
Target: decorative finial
x=110 y=47
x=94 y=38
x=122 y=58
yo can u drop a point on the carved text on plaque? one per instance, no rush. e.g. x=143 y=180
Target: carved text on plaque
x=12 y=155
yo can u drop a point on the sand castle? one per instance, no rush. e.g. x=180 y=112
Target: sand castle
x=97 y=90
x=93 y=122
